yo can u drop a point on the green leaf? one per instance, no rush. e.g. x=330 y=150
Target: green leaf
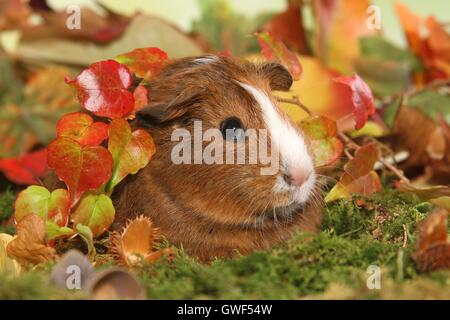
x=390 y=112
x=95 y=211
x=431 y=103
x=53 y=231
x=38 y=200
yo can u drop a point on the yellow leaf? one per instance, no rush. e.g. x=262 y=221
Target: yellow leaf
x=8 y=265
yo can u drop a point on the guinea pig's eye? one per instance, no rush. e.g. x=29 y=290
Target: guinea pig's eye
x=232 y=129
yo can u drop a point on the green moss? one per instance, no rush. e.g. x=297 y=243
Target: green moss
x=32 y=286
x=356 y=233
x=6 y=211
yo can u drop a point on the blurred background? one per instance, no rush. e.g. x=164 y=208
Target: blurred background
x=395 y=46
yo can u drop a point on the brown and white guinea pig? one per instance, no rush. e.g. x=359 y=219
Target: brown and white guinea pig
x=215 y=210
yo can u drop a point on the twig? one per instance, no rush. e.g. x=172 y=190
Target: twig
x=295 y=100
x=405 y=236
x=348 y=141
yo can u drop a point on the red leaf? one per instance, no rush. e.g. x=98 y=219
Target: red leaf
x=81 y=168
x=144 y=62
x=288 y=26
x=25 y=169
x=362 y=98
x=275 y=50
x=140 y=97
x=82 y=128
x=103 y=89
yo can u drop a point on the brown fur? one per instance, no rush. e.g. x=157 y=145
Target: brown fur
x=210 y=210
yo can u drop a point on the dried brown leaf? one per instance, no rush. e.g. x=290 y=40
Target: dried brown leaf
x=433 y=246
x=29 y=246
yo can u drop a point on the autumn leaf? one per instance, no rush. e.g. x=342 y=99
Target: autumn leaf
x=338 y=27
x=131 y=151
x=362 y=98
x=26 y=169
x=29 y=118
x=103 y=89
x=140 y=98
x=134 y=244
x=29 y=247
x=288 y=26
x=326 y=147
x=438 y=195
x=146 y=63
x=82 y=128
x=358 y=177
x=8 y=265
x=81 y=168
x=39 y=201
x=433 y=247
x=95 y=211
x=275 y=50
x=433 y=50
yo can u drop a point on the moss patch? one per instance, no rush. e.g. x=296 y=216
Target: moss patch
x=356 y=233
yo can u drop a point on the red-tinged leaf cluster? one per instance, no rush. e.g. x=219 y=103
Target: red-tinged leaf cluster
x=27 y=169
x=322 y=132
x=358 y=177
x=144 y=62
x=361 y=96
x=275 y=50
x=433 y=246
x=90 y=157
x=103 y=89
x=432 y=50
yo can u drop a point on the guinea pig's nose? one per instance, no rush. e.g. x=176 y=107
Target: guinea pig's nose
x=296 y=178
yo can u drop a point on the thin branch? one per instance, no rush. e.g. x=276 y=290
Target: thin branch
x=295 y=100
x=348 y=141
x=405 y=235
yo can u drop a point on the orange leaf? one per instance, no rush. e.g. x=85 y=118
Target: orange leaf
x=339 y=25
x=275 y=50
x=144 y=62
x=433 y=246
x=82 y=128
x=29 y=246
x=131 y=151
x=358 y=177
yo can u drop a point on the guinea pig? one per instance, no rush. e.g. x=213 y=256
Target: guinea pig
x=213 y=208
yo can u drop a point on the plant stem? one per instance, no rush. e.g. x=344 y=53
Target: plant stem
x=348 y=141
x=295 y=100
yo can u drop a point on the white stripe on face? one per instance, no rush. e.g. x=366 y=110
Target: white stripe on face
x=290 y=144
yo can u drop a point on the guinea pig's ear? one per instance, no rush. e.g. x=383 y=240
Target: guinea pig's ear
x=278 y=76
x=170 y=108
